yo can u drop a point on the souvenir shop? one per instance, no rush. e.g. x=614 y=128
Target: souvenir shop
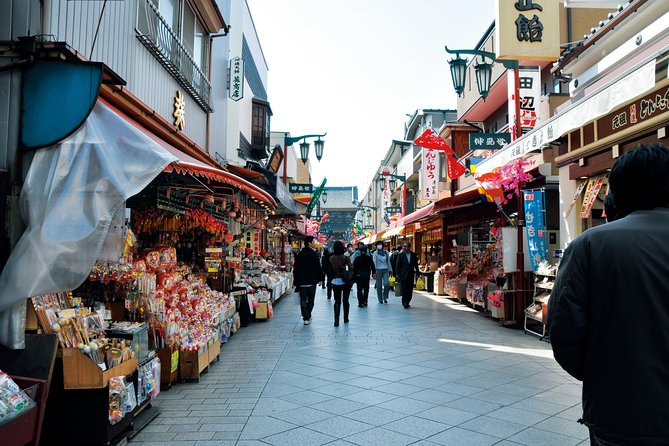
x=170 y=262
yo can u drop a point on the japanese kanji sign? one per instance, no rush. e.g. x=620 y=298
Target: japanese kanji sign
x=535 y=226
x=179 y=111
x=591 y=192
x=393 y=210
x=236 y=86
x=527 y=29
x=430 y=175
x=488 y=140
x=299 y=188
x=530 y=93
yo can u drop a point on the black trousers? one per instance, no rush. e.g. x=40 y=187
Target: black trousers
x=362 y=284
x=407 y=291
x=307 y=296
x=341 y=293
x=329 y=286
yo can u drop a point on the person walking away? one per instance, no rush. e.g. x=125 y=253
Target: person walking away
x=406 y=269
x=339 y=262
x=327 y=271
x=363 y=268
x=383 y=268
x=393 y=259
x=608 y=312
x=307 y=273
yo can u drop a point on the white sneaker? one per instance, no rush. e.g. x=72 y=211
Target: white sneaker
x=307 y=322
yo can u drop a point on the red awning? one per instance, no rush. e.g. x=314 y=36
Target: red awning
x=416 y=215
x=188 y=164
x=465 y=198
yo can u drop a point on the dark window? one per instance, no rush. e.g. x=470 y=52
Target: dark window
x=258 y=125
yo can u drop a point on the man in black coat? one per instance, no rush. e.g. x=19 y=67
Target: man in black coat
x=609 y=310
x=307 y=273
x=363 y=268
x=406 y=268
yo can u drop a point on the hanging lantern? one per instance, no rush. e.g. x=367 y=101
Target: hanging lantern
x=458 y=74
x=392 y=183
x=483 y=78
x=304 y=151
x=382 y=182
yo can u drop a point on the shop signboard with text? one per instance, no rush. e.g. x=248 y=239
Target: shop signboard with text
x=530 y=94
x=430 y=175
x=527 y=29
x=535 y=227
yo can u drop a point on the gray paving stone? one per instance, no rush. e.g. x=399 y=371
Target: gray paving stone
x=299 y=436
x=538 y=437
x=268 y=406
x=260 y=427
x=406 y=405
x=339 y=427
x=564 y=427
x=370 y=397
x=376 y=416
x=381 y=437
x=446 y=415
x=194 y=436
x=303 y=416
x=473 y=405
x=434 y=396
x=493 y=426
x=463 y=437
x=525 y=417
x=417 y=427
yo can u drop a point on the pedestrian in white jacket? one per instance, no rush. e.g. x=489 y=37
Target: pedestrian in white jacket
x=383 y=268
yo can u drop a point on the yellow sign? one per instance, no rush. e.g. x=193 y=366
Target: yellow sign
x=179 y=111
x=527 y=29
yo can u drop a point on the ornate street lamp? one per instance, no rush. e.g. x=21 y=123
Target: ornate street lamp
x=304 y=151
x=483 y=72
x=382 y=182
x=318 y=146
x=324 y=196
x=458 y=73
x=392 y=183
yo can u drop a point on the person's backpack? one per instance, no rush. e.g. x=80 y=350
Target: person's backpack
x=347 y=275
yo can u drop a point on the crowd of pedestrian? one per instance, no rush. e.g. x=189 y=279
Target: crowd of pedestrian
x=338 y=270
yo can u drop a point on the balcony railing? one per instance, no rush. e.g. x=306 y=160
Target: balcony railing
x=157 y=36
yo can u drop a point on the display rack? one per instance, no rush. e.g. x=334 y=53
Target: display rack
x=461 y=255
x=536 y=313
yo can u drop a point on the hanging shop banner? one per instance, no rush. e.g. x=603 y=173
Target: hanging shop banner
x=316 y=197
x=591 y=191
x=487 y=141
x=236 y=85
x=527 y=29
x=430 y=175
x=391 y=210
x=577 y=194
x=535 y=227
x=530 y=94
x=275 y=160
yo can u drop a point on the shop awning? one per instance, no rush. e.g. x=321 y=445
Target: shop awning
x=417 y=215
x=392 y=232
x=463 y=199
x=186 y=164
x=599 y=103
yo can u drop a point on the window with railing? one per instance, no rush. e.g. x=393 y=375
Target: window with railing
x=171 y=31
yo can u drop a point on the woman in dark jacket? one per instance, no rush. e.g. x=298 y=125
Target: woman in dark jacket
x=363 y=267
x=307 y=274
x=339 y=262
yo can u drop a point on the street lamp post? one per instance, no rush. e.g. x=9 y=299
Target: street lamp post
x=304 y=156
x=483 y=73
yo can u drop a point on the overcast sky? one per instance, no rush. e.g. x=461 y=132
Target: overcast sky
x=356 y=68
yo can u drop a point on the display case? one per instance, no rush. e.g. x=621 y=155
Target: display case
x=536 y=314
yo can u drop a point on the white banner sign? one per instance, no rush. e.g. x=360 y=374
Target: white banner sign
x=430 y=175
x=236 y=87
x=530 y=95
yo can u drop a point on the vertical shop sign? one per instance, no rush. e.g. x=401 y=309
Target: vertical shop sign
x=527 y=29
x=530 y=93
x=236 y=86
x=535 y=227
x=591 y=191
x=430 y=175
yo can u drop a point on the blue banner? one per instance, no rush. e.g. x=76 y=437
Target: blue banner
x=535 y=226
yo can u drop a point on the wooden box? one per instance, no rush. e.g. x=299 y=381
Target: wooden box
x=169 y=365
x=193 y=363
x=264 y=310
x=80 y=372
x=214 y=349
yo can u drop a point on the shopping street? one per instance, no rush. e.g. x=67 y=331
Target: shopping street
x=439 y=373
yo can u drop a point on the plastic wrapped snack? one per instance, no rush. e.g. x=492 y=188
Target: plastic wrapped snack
x=12 y=399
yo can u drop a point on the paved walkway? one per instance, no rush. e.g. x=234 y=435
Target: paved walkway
x=438 y=373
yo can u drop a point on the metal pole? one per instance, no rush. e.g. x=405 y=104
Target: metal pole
x=520 y=256
x=285 y=182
